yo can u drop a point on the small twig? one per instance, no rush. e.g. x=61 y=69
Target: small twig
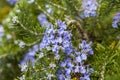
x=3 y=55
x=103 y=71
x=81 y=31
x=99 y=6
x=56 y=5
x=37 y=41
x=44 y=11
x=31 y=44
x=73 y=5
x=96 y=77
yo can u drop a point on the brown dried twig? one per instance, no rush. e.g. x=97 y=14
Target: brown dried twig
x=80 y=29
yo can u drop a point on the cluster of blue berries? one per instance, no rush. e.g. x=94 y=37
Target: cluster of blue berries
x=116 y=20
x=90 y=7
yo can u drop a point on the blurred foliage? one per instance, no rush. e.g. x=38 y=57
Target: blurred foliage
x=4 y=10
x=106 y=45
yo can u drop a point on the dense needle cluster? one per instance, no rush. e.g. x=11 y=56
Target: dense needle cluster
x=90 y=7
x=116 y=20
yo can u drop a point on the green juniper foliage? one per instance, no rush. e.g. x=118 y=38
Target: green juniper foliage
x=59 y=40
